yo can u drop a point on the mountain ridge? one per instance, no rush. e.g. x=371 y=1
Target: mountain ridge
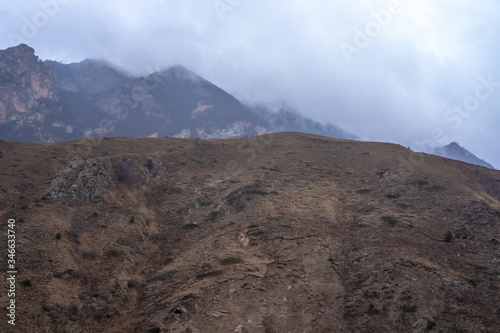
x=47 y=101
x=95 y=98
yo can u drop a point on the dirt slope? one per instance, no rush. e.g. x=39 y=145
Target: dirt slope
x=279 y=233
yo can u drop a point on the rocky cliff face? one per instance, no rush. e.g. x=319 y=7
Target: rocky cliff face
x=27 y=86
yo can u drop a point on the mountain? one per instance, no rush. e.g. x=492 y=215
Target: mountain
x=47 y=101
x=50 y=102
x=457 y=152
x=174 y=102
x=284 y=232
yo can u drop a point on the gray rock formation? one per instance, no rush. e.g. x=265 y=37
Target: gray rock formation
x=80 y=181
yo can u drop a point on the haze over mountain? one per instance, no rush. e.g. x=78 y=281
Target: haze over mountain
x=413 y=78
x=284 y=118
x=49 y=101
x=457 y=152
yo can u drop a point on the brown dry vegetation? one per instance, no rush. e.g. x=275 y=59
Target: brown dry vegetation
x=280 y=233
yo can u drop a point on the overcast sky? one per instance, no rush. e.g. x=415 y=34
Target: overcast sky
x=407 y=71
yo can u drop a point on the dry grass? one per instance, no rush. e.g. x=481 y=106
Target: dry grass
x=331 y=252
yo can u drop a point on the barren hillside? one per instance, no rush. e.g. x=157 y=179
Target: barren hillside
x=278 y=233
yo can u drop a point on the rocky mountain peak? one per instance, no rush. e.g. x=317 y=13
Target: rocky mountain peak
x=457 y=152
x=27 y=86
x=20 y=52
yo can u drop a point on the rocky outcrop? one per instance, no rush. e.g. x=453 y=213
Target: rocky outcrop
x=80 y=181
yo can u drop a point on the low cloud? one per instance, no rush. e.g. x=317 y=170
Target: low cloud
x=405 y=71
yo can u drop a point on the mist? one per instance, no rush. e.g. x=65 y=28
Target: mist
x=417 y=73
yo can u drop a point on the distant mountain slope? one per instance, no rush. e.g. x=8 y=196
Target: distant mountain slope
x=89 y=76
x=174 y=102
x=284 y=118
x=49 y=102
x=457 y=152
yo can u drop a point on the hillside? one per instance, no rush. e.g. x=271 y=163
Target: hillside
x=278 y=233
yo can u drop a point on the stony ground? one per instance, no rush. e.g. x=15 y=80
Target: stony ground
x=279 y=233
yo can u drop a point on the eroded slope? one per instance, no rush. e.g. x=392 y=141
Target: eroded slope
x=278 y=233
